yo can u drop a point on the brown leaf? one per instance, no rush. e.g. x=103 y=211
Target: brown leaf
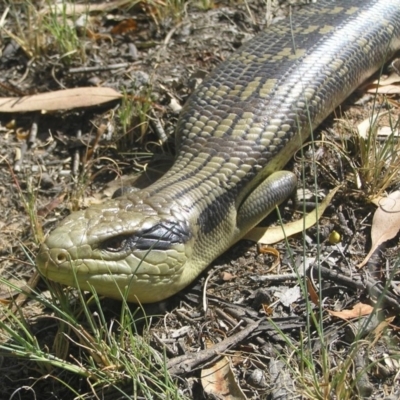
x=357 y=311
x=381 y=328
x=226 y=276
x=127 y=25
x=219 y=380
x=268 y=310
x=311 y=291
x=386 y=222
x=263 y=249
x=59 y=99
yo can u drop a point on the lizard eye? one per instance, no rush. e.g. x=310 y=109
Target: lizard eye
x=115 y=244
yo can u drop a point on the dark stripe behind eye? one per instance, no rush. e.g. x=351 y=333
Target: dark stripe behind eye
x=159 y=237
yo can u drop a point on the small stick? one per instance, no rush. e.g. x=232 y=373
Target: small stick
x=33 y=131
x=76 y=158
x=98 y=68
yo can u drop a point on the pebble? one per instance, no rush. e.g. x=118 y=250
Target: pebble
x=257 y=379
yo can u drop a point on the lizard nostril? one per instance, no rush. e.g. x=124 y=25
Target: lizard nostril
x=61 y=257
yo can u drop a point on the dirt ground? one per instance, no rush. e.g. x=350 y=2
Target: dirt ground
x=52 y=163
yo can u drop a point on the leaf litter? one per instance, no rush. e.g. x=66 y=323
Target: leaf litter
x=385 y=223
x=240 y=298
x=59 y=100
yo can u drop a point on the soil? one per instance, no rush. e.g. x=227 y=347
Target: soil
x=52 y=163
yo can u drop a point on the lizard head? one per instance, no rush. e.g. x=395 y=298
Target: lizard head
x=129 y=247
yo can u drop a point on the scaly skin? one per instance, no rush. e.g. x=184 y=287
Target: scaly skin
x=235 y=134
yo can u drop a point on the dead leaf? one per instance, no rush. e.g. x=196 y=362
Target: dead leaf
x=381 y=328
x=269 y=311
x=127 y=25
x=238 y=358
x=388 y=80
x=269 y=250
x=275 y=234
x=219 y=380
x=385 y=224
x=387 y=131
x=48 y=208
x=389 y=89
x=288 y=296
x=311 y=291
x=11 y=124
x=364 y=127
x=226 y=276
x=73 y=9
x=265 y=249
x=59 y=100
x=357 y=311
x=21 y=133
x=97 y=36
x=10 y=288
x=385 y=85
